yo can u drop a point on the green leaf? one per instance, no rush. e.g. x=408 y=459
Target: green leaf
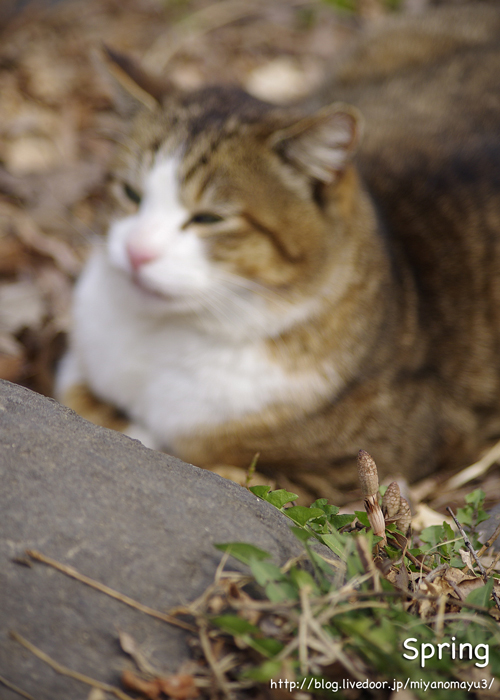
x=464 y=515
x=381 y=636
x=432 y=535
x=475 y=498
x=264 y=571
x=235 y=625
x=302 y=578
x=326 y=507
x=339 y=521
x=448 y=533
x=494 y=665
x=319 y=503
x=336 y=542
x=243 y=552
x=280 y=498
x=355 y=566
x=260 y=490
x=301 y=514
x=323 y=566
x=362 y=517
x=281 y=591
x=265 y=645
x=392 y=552
x=481 y=516
x=319 y=524
x=301 y=534
x=264 y=672
x=481 y=596
x=475 y=502
x=238 y=627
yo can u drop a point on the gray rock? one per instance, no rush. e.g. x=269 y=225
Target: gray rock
x=488 y=527
x=137 y=520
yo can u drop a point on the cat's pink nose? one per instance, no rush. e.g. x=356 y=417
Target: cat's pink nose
x=139 y=256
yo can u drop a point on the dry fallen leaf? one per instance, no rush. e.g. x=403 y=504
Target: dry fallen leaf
x=179 y=686
x=466 y=557
x=148 y=689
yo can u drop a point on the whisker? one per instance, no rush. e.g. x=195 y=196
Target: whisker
x=254 y=287
x=215 y=310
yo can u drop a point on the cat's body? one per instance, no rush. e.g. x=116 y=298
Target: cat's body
x=261 y=300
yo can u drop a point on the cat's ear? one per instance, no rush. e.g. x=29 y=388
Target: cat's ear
x=323 y=143
x=132 y=86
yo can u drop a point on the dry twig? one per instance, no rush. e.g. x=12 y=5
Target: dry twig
x=73 y=573
x=65 y=671
x=15 y=689
x=212 y=661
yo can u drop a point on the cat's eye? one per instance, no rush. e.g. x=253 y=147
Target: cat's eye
x=205 y=218
x=132 y=194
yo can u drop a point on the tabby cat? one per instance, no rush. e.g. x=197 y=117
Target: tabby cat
x=276 y=282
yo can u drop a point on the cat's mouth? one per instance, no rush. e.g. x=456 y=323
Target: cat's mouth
x=148 y=291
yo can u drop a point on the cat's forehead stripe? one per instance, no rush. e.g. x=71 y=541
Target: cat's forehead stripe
x=194 y=168
x=201 y=153
x=207 y=180
x=275 y=238
x=223 y=107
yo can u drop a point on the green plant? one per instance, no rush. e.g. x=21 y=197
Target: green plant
x=371 y=613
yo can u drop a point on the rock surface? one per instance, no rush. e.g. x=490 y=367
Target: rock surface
x=137 y=520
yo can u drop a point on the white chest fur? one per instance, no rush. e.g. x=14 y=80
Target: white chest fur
x=170 y=376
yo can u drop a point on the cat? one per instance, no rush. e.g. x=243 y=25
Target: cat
x=305 y=281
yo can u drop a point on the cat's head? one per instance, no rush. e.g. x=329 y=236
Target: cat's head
x=228 y=203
